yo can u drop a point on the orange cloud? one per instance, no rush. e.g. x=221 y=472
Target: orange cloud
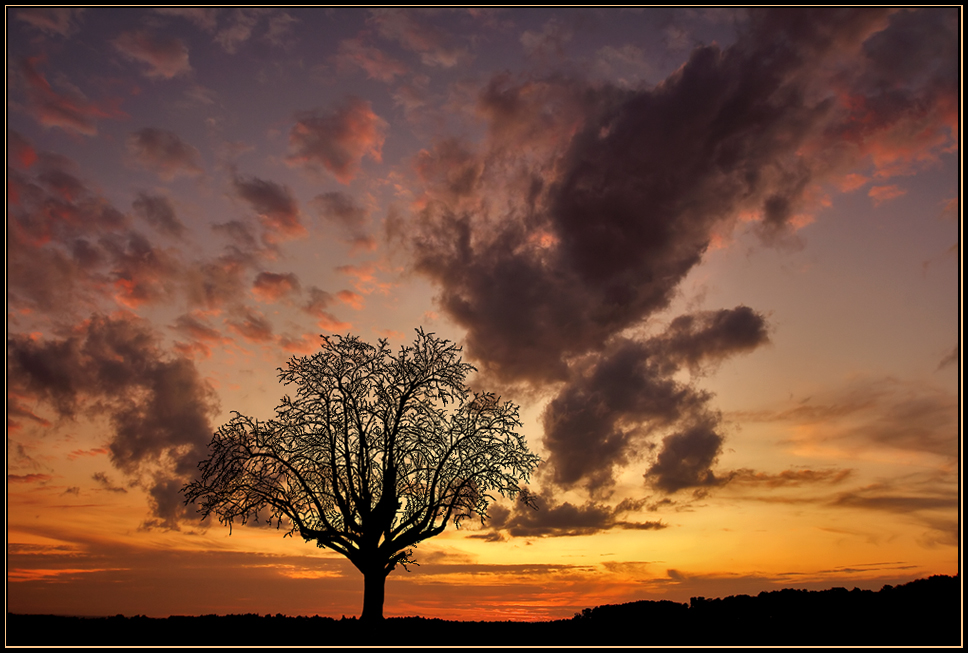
x=351 y=298
x=28 y=478
x=881 y=194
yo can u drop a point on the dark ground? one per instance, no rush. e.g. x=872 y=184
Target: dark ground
x=923 y=612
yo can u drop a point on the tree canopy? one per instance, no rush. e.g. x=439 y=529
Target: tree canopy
x=374 y=453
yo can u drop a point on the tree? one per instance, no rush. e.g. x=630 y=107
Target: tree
x=374 y=454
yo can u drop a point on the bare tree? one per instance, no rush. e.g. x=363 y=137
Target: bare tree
x=375 y=453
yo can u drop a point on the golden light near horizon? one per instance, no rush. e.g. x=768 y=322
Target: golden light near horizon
x=713 y=255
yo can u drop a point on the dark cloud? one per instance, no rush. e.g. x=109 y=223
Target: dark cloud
x=789 y=477
x=711 y=336
x=553 y=519
x=164 y=153
x=106 y=483
x=271 y=286
x=619 y=397
x=157 y=210
x=578 y=217
x=687 y=457
x=337 y=140
x=340 y=209
x=274 y=204
x=158 y=406
x=165 y=56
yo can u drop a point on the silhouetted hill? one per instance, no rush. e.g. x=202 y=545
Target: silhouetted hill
x=923 y=612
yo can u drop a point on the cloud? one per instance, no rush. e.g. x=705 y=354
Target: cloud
x=251 y=325
x=789 y=477
x=687 y=457
x=71 y=248
x=619 y=399
x=556 y=240
x=352 y=299
x=553 y=519
x=164 y=153
x=234 y=35
x=548 y=43
x=29 y=478
x=20 y=151
x=435 y=46
x=106 y=483
x=215 y=283
x=881 y=194
x=377 y=64
x=205 y=18
x=274 y=204
x=157 y=210
x=337 y=140
x=872 y=413
x=158 y=406
x=950 y=358
x=340 y=209
x=319 y=301
x=270 y=287
x=53 y=20
x=67 y=109
x=200 y=333
x=141 y=273
x=165 y=56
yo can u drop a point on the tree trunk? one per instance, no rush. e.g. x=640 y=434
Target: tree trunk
x=374 y=582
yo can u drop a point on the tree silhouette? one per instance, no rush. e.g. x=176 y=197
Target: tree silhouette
x=375 y=453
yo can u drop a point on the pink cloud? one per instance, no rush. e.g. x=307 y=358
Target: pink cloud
x=166 y=57
x=337 y=140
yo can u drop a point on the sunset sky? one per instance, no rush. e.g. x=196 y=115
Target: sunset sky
x=713 y=254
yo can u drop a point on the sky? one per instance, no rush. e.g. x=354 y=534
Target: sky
x=712 y=254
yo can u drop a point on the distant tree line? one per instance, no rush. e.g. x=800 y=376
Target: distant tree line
x=922 y=612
